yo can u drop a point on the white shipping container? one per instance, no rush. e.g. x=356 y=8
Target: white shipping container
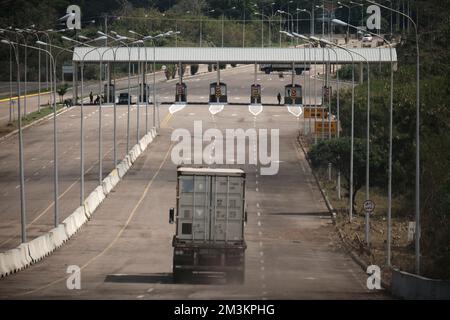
x=211 y=205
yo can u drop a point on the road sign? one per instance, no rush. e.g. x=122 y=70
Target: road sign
x=256 y=91
x=310 y=112
x=325 y=127
x=218 y=92
x=369 y=206
x=180 y=89
x=67 y=69
x=293 y=93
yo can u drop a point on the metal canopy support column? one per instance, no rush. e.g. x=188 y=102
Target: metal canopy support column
x=75 y=80
x=180 y=73
x=218 y=80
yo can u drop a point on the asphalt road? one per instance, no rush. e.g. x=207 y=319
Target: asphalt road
x=125 y=250
x=38 y=154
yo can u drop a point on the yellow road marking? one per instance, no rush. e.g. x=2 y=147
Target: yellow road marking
x=28 y=96
x=166 y=119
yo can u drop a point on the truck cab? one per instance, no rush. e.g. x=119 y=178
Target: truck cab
x=210 y=217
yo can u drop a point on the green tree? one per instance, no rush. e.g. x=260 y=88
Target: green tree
x=337 y=152
x=62 y=90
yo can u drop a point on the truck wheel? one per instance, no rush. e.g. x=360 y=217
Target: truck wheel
x=267 y=71
x=180 y=276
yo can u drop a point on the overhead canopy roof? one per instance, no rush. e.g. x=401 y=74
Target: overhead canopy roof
x=231 y=55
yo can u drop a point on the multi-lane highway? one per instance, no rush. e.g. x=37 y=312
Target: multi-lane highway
x=125 y=250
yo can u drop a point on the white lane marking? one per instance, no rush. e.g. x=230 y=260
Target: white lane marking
x=150 y=290
x=261 y=261
x=260 y=233
x=257 y=205
x=176 y=107
x=259 y=223
x=257 y=189
x=18 y=186
x=140 y=297
x=192 y=114
x=234 y=115
x=259 y=214
x=261 y=253
x=215 y=108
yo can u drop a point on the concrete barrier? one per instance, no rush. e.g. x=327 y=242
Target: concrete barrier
x=110 y=182
x=128 y=161
x=107 y=185
x=40 y=247
x=410 y=286
x=73 y=222
x=14 y=260
x=10 y=262
x=4 y=265
x=122 y=169
x=24 y=255
x=28 y=253
x=58 y=236
x=79 y=216
x=69 y=226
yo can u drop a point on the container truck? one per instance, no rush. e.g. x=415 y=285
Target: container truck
x=210 y=217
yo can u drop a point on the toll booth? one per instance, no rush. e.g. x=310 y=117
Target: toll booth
x=293 y=94
x=255 y=96
x=144 y=97
x=218 y=93
x=112 y=93
x=180 y=92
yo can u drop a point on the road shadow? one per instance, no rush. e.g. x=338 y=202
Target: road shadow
x=164 y=278
x=313 y=214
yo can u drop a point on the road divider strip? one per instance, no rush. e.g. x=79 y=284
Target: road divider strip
x=31 y=252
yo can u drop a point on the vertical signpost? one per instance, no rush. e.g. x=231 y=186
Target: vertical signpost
x=369 y=207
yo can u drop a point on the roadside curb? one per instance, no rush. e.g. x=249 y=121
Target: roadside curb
x=363 y=265
x=29 y=253
x=327 y=202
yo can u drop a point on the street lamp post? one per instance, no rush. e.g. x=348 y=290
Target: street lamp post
x=23 y=217
x=288 y=14
x=348 y=19
x=389 y=214
x=55 y=135
x=367 y=133
x=100 y=145
x=352 y=120
x=362 y=10
x=417 y=182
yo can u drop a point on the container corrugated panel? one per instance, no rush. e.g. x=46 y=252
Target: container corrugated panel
x=213 y=210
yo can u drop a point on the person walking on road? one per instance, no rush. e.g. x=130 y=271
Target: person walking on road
x=91 y=97
x=279 y=98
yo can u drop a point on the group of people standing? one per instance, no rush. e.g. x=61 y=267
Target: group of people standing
x=97 y=99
